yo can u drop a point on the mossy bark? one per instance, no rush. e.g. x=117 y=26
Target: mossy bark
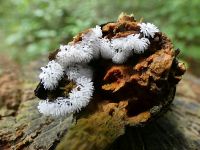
x=30 y=130
x=179 y=128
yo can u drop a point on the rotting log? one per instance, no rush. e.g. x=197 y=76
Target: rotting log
x=179 y=128
x=143 y=82
x=113 y=120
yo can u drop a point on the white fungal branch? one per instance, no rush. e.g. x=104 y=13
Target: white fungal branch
x=93 y=45
x=121 y=57
x=51 y=74
x=92 y=39
x=72 y=54
x=139 y=45
x=131 y=42
x=126 y=45
x=72 y=60
x=76 y=71
x=106 y=49
x=78 y=98
x=93 y=34
x=148 y=29
x=81 y=52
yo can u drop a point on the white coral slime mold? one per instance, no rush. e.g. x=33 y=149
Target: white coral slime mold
x=93 y=34
x=78 y=98
x=120 y=57
x=51 y=74
x=74 y=58
x=106 y=49
x=78 y=53
x=81 y=52
x=76 y=71
x=125 y=45
x=148 y=29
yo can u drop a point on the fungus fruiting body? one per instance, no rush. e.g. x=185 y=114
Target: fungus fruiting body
x=51 y=74
x=73 y=61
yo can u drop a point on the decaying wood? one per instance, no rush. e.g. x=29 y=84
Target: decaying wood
x=179 y=128
x=113 y=120
x=146 y=81
x=29 y=130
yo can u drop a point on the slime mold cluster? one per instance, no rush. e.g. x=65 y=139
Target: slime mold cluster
x=125 y=61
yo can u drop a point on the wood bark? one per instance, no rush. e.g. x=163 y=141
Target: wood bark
x=22 y=127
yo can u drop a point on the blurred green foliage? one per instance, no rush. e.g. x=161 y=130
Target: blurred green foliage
x=30 y=28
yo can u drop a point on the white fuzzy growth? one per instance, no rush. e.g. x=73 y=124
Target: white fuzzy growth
x=71 y=54
x=97 y=31
x=78 y=98
x=77 y=71
x=81 y=52
x=93 y=34
x=51 y=74
x=106 y=49
x=139 y=45
x=131 y=42
x=64 y=47
x=92 y=39
x=94 y=45
x=125 y=45
x=74 y=58
x=120 y=57
x=148 y=29
x=119 y=43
